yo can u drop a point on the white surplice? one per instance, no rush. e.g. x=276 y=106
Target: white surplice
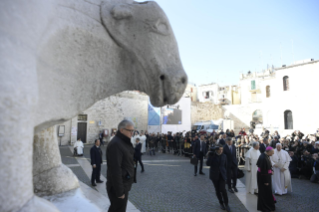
x=133 y=139
x=143 y=142
x=251 y=158
x=79 y=147
x=281 y=181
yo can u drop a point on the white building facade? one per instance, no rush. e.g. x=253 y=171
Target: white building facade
x=283 y=99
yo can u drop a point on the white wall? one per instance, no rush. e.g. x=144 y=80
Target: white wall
x=302 y=99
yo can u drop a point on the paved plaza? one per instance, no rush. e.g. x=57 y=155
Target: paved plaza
x=168 y=184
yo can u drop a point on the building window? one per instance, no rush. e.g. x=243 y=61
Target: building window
x=267 y=91
x=82 y=117
x=288 y=120
x=207 y=95
x=286 y=83
x=253 y=85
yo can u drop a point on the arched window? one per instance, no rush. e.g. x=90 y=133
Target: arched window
x=288 y=120
x=257 y=116
x=286 y=83
x=267 y=91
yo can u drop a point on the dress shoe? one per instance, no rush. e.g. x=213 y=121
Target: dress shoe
x=142 y=171
x=93 y=184
x=227 y=208
x=235 y=189
x=195 y=174
x=222 y=207
x=100 y=181
x=202 y=173
x=230 y=190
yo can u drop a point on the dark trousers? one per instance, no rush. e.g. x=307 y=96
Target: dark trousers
x=117 y=204
x=201 y=158
x=221 y=190
x=96 y=174
x=139 y=160
x=152 y=151
x=231 y=176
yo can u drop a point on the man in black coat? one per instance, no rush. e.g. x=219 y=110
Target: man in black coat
x=218 y=174
x=120 y=166
x=199 y=150
x=232 y=164
x=96 y=161
x=263 y=145
x=138 y=154
x=274 y=142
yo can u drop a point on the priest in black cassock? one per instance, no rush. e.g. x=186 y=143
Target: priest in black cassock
x=266 y=199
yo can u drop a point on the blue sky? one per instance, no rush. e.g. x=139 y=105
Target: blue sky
x=218 y=40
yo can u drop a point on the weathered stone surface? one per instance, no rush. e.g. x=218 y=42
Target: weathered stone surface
x=60 y=57
x=203 y=111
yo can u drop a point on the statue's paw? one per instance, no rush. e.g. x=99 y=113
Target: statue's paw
x=53 y=181
x=38 y=204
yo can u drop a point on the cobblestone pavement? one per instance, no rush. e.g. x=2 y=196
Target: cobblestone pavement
x=304 y=197
x=168 y=184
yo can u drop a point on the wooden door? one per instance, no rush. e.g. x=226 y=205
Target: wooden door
x=82 y=131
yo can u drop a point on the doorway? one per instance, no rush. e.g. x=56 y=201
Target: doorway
x=82 y=126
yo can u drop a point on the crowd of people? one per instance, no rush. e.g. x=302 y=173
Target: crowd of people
x=271 y=160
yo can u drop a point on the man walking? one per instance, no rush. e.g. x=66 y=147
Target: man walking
x=120 y=166
x=96 y=161
x=199 y=151
x=138 y=154
x=218 y=174
x=230 y=152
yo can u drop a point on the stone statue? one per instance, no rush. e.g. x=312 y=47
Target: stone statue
x=59 y=57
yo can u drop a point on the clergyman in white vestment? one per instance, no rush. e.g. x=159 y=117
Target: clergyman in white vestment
x=79 y=147
x=251 y=158
x=281 y=178
x=143 y=142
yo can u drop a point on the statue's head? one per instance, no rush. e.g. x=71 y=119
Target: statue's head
x=143 y=30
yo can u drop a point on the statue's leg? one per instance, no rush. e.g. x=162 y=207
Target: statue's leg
x=50 y=176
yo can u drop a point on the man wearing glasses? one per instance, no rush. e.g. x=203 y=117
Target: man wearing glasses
x=120 y=166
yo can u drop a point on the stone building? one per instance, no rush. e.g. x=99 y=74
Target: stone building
x=221 y=95
x=105 y=115
x=283 y=99
x=191 y=92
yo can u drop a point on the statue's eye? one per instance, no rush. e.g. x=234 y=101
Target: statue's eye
x=162 y=28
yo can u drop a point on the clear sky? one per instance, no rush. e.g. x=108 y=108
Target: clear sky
x=218 y=40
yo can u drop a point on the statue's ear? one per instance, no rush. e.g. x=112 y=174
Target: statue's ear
x=121 y=11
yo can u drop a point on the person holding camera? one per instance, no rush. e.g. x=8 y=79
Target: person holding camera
x=218 y=174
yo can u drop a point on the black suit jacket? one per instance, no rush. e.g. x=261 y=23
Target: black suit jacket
x=138 y=153
x=231 y=156
x=262 y=148
x=196 y=148
x=222 y=142
x=96 y=156
x=218 y=165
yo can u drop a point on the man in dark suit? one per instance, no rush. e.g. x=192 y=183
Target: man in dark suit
x=138 y=154
x=120 y=167
x=218 y=174
x=96 y=161
x=263 y=145
x=232 y=164
x=199 y=150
